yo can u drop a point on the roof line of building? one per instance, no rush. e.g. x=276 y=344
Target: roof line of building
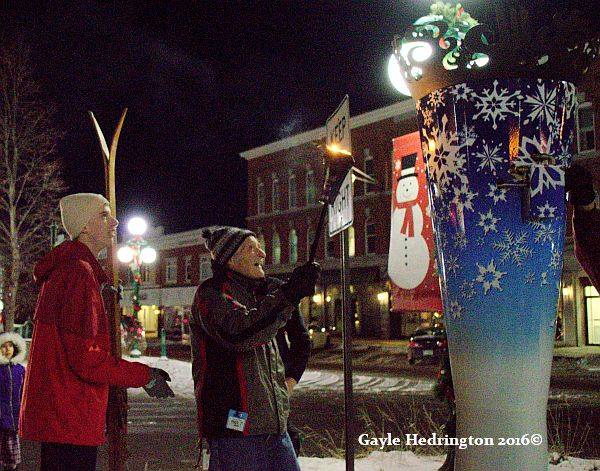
x=397 y=109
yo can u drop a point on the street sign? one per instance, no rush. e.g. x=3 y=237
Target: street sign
x=341 y=212
x=338 y=128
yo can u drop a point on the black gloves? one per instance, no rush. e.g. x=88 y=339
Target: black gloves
x=157 y=386
x=302 y=282
x=579 y=185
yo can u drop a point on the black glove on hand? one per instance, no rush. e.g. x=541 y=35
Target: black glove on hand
x=302 y=282
x=579 y=185
x=157 y=386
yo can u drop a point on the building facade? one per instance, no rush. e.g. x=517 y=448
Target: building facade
x=284 y=185
x=169 y=284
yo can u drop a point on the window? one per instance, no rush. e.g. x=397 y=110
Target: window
x=171 y=270
x=260 y=197
x=592 y=310
x=586 y=139
x=351 y=242
x=311 y=193
x=292 y=191
x=205 y=268
x=276 y=249
x=370 y=236
x=275 y=194
x=293 y=246
x=369 y=169
x=187 y=269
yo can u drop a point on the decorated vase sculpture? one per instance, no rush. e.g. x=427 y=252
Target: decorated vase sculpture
x=496 y=122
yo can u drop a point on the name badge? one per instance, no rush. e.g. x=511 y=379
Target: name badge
x=236 y=420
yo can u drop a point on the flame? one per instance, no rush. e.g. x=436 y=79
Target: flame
x=335 y=149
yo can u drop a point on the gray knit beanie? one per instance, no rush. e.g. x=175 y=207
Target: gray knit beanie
x=223 y=241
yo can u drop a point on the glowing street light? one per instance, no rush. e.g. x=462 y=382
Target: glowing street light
x=135 y=253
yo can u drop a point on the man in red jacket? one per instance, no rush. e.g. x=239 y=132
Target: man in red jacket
x=70 y=366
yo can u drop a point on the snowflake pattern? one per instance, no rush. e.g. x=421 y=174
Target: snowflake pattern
x=488 y=222
x=461 y=92
x=497 y=194
x=467 y=134
x=452 y=265
x=496 y=105
x=513 y=248
x=542 y=176
x=466 y=148
x=444 y=159
x=546 y=211
x=455 y=309
x=555 y=259
x=530 y=278
x=489 y=276
x=436 y=98
x=543 y=232
x=463 y=197
x=467 y=289
x=460 y=240
x=542 y=104
x=489 y=157
x=427 y=115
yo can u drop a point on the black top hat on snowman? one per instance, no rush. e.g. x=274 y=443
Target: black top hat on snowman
x=408 y=167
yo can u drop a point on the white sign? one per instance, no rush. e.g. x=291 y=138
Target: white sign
x=341 y=213
x=338 y=128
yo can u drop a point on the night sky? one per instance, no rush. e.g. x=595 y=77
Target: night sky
x=203 y=81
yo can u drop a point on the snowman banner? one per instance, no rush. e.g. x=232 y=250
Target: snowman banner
x=411 y=265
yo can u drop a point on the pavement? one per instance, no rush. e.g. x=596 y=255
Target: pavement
x=576 y=368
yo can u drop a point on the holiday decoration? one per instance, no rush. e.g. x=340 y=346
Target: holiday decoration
x=496 y=109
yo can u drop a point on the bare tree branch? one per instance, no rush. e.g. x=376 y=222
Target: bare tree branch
x=30 y=180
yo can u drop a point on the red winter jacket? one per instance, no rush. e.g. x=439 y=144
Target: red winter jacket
x=70 y=366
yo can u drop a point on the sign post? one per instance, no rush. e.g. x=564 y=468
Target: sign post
x=341 y=216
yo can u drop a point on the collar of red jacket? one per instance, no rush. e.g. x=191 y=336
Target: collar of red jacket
x=65 y=252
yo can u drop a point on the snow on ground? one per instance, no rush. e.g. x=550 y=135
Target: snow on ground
x=408 y=461
x=180 y=372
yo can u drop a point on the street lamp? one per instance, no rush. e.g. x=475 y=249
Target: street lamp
x=134 y=253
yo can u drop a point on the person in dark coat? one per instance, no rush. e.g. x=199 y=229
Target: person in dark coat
x=293 y=342
x=239 y=377
x=12 y=374
x=586 y=220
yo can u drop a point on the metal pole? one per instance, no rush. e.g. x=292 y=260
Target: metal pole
x=347 y=346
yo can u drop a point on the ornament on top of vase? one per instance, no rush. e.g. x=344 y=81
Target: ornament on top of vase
x=496 y=113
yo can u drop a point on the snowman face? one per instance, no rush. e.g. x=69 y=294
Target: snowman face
x=407 y=189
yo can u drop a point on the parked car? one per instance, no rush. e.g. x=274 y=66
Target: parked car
x=427 y=345
x=319 y=336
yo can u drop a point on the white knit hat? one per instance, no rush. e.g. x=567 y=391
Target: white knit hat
x=77 y=209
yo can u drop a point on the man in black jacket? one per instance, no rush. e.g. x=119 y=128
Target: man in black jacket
x=239 y=377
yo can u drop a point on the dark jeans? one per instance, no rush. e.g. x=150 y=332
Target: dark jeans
x=66 y=457
x=253 y=453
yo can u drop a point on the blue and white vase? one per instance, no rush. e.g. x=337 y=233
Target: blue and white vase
x=500 y=239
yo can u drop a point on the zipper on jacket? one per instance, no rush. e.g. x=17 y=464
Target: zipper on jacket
x=10 y=401
x=273 y=386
